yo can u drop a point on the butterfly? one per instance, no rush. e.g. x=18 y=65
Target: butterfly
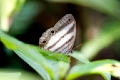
x=61 y=37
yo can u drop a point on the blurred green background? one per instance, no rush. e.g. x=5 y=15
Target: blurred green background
x=98 y=27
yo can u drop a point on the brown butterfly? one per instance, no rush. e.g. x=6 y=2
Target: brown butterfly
x=61 y=37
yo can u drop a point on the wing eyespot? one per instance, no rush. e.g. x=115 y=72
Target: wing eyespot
x=44 y=41
x=52 y=31
x=69 y=19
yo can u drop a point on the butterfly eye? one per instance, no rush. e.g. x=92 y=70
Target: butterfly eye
x=44 y=41
x=52 y=31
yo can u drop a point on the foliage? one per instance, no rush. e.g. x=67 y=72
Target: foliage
x=40 y=60
x=57 y=66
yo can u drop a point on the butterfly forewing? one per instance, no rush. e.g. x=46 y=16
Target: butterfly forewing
x=61 y=37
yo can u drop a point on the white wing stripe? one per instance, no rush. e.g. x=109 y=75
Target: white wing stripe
x=62 y=41
x=58 y=35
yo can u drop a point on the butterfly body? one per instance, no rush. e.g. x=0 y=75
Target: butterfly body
x=61 y=37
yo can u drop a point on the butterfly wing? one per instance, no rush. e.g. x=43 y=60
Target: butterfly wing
x=63 y=36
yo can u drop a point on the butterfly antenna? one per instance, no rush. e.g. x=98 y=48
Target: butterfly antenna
x=77 y=46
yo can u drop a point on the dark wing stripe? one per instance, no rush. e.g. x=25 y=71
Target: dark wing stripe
x=70 y=30
x=62 y=26
x=68 y=45
x=64 y=43
x=67 y=48
x=64 y=21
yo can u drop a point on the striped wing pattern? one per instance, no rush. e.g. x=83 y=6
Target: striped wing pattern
x=61 y=37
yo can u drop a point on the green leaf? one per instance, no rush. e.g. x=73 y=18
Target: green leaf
x=9 y=76
x=7 y=8
x=36 y=58
x=80 y=57
x=109 y=34
x=26 y=15
x=103 y=67
x=54 y=56
x=106 y=76
x=28 y=54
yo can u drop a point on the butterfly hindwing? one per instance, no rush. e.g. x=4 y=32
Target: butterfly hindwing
x=61 y=37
